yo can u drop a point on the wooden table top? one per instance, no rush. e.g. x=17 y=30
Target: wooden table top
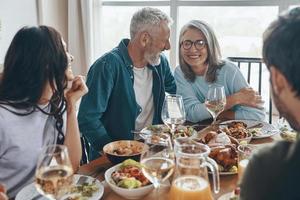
x=97 y=168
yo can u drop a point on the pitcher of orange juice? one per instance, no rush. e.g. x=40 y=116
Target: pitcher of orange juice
x=190 y=181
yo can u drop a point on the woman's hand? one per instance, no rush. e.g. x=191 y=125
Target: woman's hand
x=77 y=90
x=3 y=193
x=245 y=97
x=249 y=97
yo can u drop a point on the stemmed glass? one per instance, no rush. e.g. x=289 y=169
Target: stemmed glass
x=173 y=113
x=215 y=100
x=158 y=161
x=54 y=173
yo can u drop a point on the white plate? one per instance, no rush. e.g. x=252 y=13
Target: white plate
x=225 y=196
x=267 y=130
x=29 y=191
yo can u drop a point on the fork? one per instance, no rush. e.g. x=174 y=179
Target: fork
x=82 y=180
x=258 y=125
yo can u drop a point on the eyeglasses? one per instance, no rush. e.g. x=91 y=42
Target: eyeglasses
x=187 y=44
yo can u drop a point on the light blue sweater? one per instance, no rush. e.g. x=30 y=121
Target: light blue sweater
x=194 y=93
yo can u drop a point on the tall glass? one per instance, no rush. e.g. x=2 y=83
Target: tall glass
x=173 y=113
x=158 y=161
x=244 y=154
x=215 y=100
x=54 y=173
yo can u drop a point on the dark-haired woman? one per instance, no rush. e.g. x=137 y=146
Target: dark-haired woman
x=200 y=66
x=36 y=107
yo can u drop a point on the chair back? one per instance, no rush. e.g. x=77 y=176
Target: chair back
x=255 y=71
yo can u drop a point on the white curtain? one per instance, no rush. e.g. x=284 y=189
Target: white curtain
x=83 y=25
x=78 y=21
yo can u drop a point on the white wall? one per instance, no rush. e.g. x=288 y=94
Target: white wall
x=54 y=13
x=15 y=14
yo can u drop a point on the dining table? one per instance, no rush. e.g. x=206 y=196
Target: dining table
x=228 y=183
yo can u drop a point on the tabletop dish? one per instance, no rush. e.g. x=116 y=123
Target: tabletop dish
x=181 y=131
x=267 y=130
x=226 y=157
x=289 y=135
x=121 y=150
x=133 y=193
x=30 y=192
x=237 y=130
x=223 y=150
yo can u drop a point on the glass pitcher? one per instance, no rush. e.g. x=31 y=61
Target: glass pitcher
x=190 y=181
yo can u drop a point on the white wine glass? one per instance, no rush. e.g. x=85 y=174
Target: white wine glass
x=173 y=112
x=215 y=100
x=54 y=172
x=158 y=161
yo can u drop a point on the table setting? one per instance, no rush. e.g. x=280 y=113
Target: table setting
x=175 y=160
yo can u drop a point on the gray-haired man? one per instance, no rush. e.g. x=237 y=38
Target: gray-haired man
x=127 y=85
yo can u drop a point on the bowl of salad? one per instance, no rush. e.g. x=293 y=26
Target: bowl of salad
x=127 y=180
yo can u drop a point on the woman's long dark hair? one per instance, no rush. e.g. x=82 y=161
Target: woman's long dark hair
x=35 y=57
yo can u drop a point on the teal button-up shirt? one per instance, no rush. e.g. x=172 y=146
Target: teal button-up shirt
x=109 y=111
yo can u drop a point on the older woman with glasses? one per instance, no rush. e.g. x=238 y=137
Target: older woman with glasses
x=201 y=65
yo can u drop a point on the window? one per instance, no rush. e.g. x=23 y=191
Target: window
x=238 y=24
x=238 y=29
x=116 y=23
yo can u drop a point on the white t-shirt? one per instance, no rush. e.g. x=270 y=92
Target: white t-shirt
x=21 y=141
x=143 y=82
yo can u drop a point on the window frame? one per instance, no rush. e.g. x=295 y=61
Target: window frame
x=174 y=11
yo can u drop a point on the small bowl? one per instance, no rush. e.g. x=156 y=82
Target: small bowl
x=246 y=139
x=135 y=150
x=136 y=193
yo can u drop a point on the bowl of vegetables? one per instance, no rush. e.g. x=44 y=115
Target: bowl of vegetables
x=127 y=180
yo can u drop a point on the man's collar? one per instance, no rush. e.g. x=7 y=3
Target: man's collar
x=123 y=46
x=124 y=52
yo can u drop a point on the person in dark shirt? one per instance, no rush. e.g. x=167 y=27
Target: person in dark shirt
x=274 y=172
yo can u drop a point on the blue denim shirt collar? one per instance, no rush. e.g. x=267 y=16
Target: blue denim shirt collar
x=124 y=52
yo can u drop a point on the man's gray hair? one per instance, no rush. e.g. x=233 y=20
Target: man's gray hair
x=146 y=19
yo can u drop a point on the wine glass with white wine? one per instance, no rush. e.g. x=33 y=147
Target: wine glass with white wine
x=173 y=113
x=54 y=172
x=215 y=100
x=158 y=161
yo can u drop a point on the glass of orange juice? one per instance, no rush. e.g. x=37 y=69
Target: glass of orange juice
x=190 y=181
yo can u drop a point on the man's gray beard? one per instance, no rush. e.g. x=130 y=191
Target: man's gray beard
x=153 y=60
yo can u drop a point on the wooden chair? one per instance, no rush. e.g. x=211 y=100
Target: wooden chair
x=254 y=65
